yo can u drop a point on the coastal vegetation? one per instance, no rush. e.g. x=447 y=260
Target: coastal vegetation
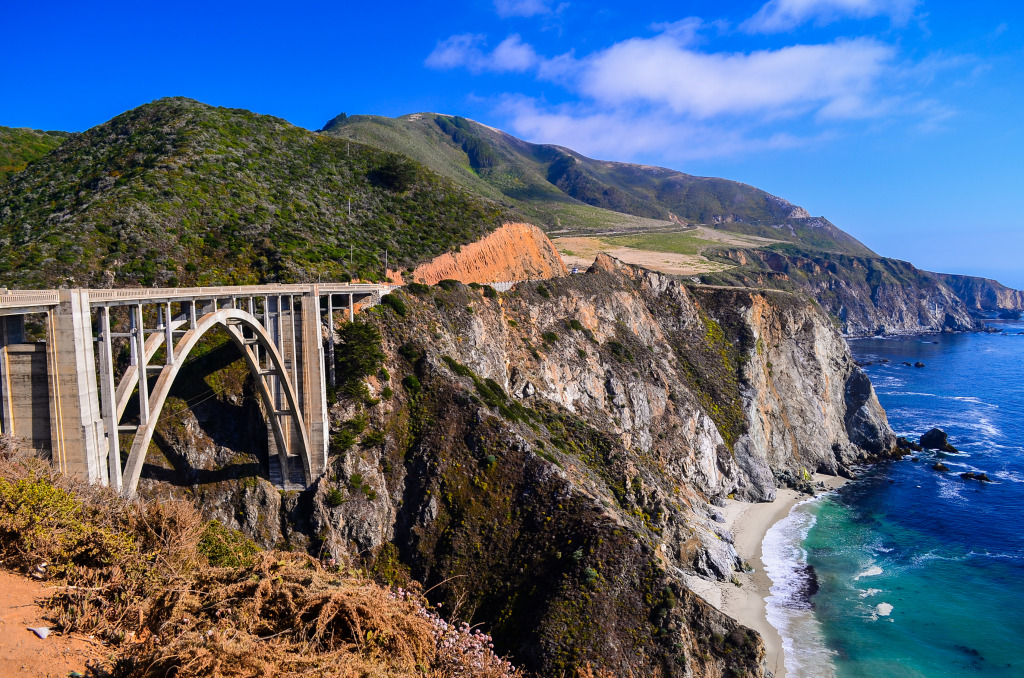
x=169 y=593
x=179 y=193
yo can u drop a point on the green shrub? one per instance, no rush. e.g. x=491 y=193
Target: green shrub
x=359 y=354
x=549 y=337
x=335 y=497
x=620 y=352
x=575 y=325
x=373 y=439
x=395 y=303
x=386 y=393
x=490 y=292
x=543 y=292
x=342 y=440
x=590 y=575
x=448 y=284
x=411 y=384
x=224 y=547
x=418 y=288
x=410 y=352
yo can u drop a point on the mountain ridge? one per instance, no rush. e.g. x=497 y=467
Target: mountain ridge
x=537 y=175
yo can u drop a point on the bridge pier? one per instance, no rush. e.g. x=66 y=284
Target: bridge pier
x=77 y=430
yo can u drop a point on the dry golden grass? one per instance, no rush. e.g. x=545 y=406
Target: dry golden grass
x=136 y=575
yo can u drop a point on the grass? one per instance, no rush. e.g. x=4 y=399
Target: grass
x=675 y=243
x=171 y=594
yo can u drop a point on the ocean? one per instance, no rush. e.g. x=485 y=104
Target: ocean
x=908 y=572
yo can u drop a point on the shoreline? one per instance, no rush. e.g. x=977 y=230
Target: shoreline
x=749 y=523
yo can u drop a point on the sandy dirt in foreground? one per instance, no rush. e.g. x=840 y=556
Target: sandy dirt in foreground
x=746 y=603
x=21 y=652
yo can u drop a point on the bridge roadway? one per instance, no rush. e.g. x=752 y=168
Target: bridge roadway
x=63 y=394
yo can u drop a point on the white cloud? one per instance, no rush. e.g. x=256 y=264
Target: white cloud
x=512 y=55
x=837 y=78
x=782 y=15
x=670 y=95
x=524 y=8
x=623 y=133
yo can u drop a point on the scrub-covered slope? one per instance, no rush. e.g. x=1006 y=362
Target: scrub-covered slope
x=178 y=192
x=545 y=179
x=20 y=146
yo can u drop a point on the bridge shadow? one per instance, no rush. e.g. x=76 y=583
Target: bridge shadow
x=211 y=428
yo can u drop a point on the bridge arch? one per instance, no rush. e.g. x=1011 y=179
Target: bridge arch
x=234 y=321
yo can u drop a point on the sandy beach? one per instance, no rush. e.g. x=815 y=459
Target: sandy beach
x=746 y=603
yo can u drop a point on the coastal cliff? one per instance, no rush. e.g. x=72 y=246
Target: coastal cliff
x=983 y=294
x=864 y=295
x=548 y=461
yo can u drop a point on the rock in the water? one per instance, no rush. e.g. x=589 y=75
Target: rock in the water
x=904 y=444
x=906 y=364
x=941 y=468
x=936 y=439
x=976 y=476
x=919 y=364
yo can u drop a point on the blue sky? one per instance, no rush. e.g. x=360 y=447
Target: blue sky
x=902 y=121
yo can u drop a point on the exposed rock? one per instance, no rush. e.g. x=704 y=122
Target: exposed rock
x=557 y=470
x=940 y=467
x=905 y=444
x=513 y=252
x=936 y=439
x=919 y=364
x=866 y=295
x=982 y=294
x=976 y=476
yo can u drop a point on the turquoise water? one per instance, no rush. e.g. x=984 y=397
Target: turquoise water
x=920 y=574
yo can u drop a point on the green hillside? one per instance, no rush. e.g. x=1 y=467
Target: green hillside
x=178 y=192
x=547 y=182
x=20 y=146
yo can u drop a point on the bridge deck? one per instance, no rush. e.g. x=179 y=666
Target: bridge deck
x=20 y=302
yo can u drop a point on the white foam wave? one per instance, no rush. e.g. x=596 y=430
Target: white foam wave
x=870 y=592
x=1011 y=476
x=872 y=571
x=975 y=401
x=883 y=609
x=784 y=558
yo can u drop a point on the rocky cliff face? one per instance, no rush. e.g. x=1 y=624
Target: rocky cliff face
x=552 y=459
x=513 y=252
x=864 y=295
x=548 y=460
x=983 y=294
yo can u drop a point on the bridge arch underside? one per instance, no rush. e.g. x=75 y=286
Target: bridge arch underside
x=267 y=368
x=213 y=427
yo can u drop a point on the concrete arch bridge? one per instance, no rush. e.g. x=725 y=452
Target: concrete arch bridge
x=64 y=394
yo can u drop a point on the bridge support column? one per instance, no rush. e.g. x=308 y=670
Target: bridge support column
x=314 y=386
x=12 y=331
x=77 y=432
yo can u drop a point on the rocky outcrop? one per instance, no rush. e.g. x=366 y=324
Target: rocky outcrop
x=513 y=252
x=546 y=461
x=864 y=295
x=552 y=457
x=982 y=294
